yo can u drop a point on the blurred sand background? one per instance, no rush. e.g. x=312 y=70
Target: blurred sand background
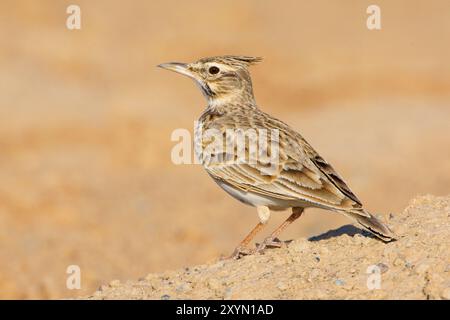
x=85 y=121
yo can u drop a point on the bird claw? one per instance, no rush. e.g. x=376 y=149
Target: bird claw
x=240 y=252
x=270 y=243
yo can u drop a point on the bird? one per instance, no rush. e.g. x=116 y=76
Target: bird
x=299 y=178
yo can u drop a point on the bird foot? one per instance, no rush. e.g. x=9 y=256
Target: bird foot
x=270 y=243
x=240 y=252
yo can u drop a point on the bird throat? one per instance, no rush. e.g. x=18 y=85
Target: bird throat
x=237 y=97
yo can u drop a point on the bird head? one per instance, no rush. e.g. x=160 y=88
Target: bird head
x=221 y=79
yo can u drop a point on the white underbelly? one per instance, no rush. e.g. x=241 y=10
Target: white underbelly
x=254 y=199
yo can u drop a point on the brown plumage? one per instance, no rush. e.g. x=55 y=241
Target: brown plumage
x=299 y=178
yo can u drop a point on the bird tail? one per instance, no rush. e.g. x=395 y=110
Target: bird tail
x=374 y=226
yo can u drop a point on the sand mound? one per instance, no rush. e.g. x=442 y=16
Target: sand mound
x=345 y=263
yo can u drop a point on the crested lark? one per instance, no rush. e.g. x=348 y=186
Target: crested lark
x=301 y=177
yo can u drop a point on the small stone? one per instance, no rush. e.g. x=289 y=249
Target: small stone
x=339 y=282
x=398 y=262
x=228 y=294
x=165 y=297
x=383 y=268
x=282 y=286
x=446 y=294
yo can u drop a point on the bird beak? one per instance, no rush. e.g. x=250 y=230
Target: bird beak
x=178 y=67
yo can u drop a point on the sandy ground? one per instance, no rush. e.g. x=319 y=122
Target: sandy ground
x=340 y=264
x=85 y=123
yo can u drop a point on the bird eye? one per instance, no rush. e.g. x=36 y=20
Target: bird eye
x=213 y=70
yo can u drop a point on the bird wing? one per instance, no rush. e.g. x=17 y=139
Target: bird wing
x=299 y=174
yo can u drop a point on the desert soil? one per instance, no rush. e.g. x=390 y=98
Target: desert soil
x=341 y=264
x=86 y=176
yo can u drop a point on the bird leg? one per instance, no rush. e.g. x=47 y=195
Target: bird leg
x=272 y=240
x=242 y=249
